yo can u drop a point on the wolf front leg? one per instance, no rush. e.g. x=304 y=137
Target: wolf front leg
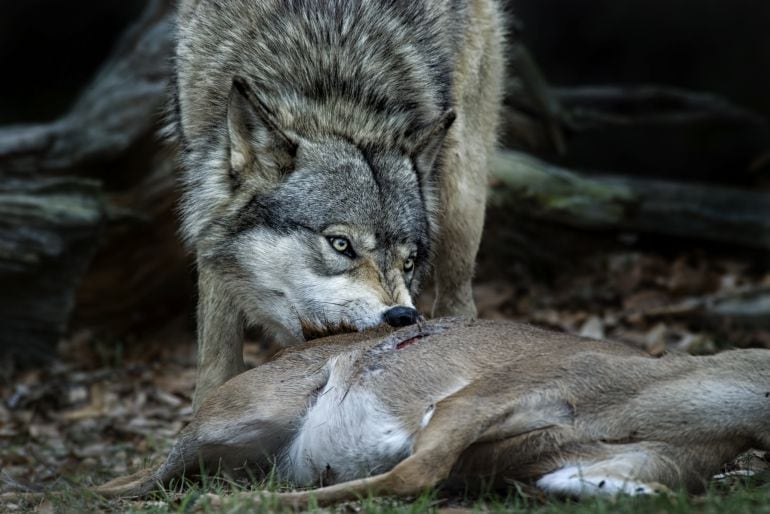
x=461 y=221
x=478 y=86
x=220 y=336
x=460 y=225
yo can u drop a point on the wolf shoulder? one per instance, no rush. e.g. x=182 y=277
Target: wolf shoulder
x=403 y=54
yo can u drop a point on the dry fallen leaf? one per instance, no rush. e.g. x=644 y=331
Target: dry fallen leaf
x=593 y=327
x=95 y=408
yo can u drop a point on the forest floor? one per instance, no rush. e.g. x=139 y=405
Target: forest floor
x=103 y=409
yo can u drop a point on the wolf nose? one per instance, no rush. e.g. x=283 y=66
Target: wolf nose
x=400 y=316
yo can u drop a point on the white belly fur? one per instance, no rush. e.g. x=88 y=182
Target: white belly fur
x=347 y=434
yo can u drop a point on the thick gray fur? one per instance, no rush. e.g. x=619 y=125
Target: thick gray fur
x=302 y=121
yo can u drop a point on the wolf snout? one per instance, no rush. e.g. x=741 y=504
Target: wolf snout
x=400 y=316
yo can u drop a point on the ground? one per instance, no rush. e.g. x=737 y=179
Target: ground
x=104 y=408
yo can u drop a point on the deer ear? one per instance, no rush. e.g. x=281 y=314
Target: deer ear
x=258 y=147
x=428 y=142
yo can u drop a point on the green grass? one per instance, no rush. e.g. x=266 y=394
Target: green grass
x=744 y=497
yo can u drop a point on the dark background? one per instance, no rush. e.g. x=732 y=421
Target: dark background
x=50 y=48
x=709 y=45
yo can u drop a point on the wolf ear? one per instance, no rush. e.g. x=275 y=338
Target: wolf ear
x=256 y=143
x=430 y=140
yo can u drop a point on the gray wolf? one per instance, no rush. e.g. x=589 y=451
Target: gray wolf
x=458 y=402
x=334 y=156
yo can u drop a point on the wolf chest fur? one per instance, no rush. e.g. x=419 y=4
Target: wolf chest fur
x=334 y=156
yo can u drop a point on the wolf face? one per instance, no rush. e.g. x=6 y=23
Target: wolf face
x=316 y=236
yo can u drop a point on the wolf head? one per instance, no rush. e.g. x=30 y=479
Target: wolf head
x=313 y=234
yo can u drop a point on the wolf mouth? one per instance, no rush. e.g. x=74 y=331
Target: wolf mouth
x=315 y=330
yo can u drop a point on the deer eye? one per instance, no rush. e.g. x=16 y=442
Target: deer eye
x=342 y=245
x=409 y=264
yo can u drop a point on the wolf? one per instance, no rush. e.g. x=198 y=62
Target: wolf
x=334 y=156
x=475 y=403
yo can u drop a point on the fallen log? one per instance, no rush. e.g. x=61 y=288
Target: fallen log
x=746 y=306
x=533 y=192
x=49 y=230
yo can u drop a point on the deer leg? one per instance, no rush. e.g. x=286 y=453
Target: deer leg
x=633 y=468
x=457 y=422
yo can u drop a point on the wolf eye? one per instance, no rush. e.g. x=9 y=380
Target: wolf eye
x=409 y=264
x=342 y=245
